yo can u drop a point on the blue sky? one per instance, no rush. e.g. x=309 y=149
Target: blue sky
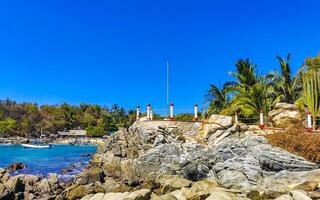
x=107 y=52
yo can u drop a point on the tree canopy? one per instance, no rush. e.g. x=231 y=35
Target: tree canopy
x=28 y=119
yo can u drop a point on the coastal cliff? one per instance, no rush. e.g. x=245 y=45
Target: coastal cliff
x=180 y=160
x=175 y=160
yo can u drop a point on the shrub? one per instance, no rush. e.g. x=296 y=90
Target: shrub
x=185 y=117
x=95 y=131
x=299 y=142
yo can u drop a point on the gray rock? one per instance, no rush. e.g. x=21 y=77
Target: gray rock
x=285 y=115
x=284 y=197
x=299 y=195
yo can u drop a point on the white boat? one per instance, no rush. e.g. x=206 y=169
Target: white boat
x=32 y=146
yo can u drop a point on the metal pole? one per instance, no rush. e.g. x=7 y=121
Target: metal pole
x=168 y=93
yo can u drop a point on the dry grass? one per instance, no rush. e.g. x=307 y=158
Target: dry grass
x=299 y=142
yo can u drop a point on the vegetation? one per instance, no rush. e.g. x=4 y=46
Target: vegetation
x=184 y=117
x=311 y=86
x=298 y=142
x=95 y=131
x=251 y=92
x=27 y=119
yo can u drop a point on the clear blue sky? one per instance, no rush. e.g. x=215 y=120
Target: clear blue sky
x=109 y=52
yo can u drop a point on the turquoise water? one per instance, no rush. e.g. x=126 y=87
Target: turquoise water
x=44 y=161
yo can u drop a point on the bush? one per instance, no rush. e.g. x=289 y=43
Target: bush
x=95 y=131
x=299 y=142
x=7 y=125
x=185 y=117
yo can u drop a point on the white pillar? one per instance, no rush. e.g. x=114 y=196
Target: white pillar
x=309 y=121
x=261 y=125
x=151 y=114
x=195 y=112
x=138 y=113
x=148 y=112
x=171 y=111
x=236 y=118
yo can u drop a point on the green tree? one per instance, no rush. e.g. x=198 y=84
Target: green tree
x=286 y=88
x=245 y=75
x=109 y=123
x=7 y=126
x=95 y=131
x=253 y=101
x=69 y=116
x=217 y=99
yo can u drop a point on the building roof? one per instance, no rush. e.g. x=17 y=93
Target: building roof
x=72 y=133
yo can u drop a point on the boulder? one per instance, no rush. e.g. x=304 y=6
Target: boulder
x=222 y=120
x=204 y=186
x=42 y=187
x=299 y=195
x=188 y=194
x=86 y=154
x=284 y=197
x=314 y=195
x=168 y=197
x=307 y=186
x=5 y=194
x=215 y=123
x=91 y=175
x=15 y=184
x=75 y=192
x=15 y=166
x=143 y=194
x=285 y=115
x=220 y=194
x=115 y=196
x=171 y=183
x=97 y=196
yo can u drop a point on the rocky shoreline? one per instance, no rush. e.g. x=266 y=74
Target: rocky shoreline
x=180 y=160
x=68 y=140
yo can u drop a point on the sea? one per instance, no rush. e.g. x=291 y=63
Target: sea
x=64 y=160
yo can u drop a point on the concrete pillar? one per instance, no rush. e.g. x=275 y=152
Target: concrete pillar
x=138 y=113
x=236 y=117
x=171 y=111
x=195 y=118
x=261 y=125
x=309 y=122
x=149 y=112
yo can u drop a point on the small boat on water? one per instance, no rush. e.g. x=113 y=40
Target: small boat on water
x=36 y=146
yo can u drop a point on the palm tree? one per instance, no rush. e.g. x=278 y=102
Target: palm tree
x=253 y=101
x=217 y=98
x=245 y=75
x=285 y=87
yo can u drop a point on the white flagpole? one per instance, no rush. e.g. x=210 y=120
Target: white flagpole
x=168 y=98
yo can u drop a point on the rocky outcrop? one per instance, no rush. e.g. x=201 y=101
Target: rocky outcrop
x=168 y=159
x=285 y=115
x=172 y=160
x=215 y=123
x=16 y=166
x=28 y=186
